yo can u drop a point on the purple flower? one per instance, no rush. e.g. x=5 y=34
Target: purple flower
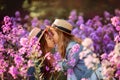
x=46 y=22
x=17 y=14
x=57 y=56
x=71 y=62
x=73 y=15
x=107 y=15
x=106 y=39
x=94 y=37
x=117 y=73
x=89 y=22
x=80 y=21
x=70 y=71
x=35 y=22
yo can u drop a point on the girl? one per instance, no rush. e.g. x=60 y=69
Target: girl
x=46 y=43
x=69 y=47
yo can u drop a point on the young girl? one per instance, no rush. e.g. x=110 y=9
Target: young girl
x=69 y=47
x=46 y=43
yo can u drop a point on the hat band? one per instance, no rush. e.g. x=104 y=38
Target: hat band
x=39 y=33
x=62 y=28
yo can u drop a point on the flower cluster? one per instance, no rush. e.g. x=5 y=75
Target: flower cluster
x=111 y=64
x=99 y=29
x=91 y=60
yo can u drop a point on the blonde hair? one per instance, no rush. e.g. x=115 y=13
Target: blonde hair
x=64 y=39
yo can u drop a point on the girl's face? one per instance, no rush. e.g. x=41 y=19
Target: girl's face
x=54 y=35
x=50 y=41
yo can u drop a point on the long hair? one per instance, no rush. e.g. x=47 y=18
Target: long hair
x=44 y=48
x=43 y=45
x=64 y=39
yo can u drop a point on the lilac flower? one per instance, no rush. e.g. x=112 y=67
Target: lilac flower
x=47 y=68
x=6 y=28
x=13 y=71
x=22 y=50
x=19 y=60
x=115 y=21
x=75 y=48
x=24 y=41
x=104 y=56
x=17 y=14
x=70 y=71
x=94 y=37
x=71 y=62
x=117 y=12
x=107 y=15
x=58 y=67
x=106 y=39
x=89 y=23
x=35 y=22
x=80 y=21
x=73 y=15
x=57 y=56
x=7 y=19
x=117 y=73
x=118 y=28
x=46 y=22
x=75 y=31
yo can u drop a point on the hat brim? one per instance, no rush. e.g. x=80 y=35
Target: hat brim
x=34 y=33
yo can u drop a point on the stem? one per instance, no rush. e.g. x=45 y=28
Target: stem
x=58 y=76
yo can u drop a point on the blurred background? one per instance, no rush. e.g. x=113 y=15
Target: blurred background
x=51 y=9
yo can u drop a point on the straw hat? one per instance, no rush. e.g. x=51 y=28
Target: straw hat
x=36 y=32
x=63 y=25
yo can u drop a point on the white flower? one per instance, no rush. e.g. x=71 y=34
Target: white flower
x=88 y=43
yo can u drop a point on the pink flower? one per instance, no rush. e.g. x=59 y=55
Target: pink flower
x=48 y=55
x=30 y=63
x=13 y=71
x=117 y=73
x=47 y=68
x=104 y=56
x=58 y=67
x=75 y=48
x=24 y=41
x=57 y=56
x=115 y=21
x=72 y=62
x=19 y=60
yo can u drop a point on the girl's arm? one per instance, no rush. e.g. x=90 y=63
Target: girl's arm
x=72 y=56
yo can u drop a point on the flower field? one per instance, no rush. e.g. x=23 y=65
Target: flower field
x=17 y=54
